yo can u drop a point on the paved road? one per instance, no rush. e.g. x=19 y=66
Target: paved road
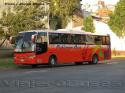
x=106 y=77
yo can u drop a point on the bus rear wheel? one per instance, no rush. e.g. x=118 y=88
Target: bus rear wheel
x=94 y=59
x=52 y=61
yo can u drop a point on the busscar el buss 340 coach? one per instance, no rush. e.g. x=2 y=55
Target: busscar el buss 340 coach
x=57 y=47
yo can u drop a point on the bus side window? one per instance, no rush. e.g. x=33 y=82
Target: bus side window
x=83 y=39
x=107 y=40
x=98 y=40
x=64 y=38
x=90 y=39
x=72 y=38
x=69 y=39
x=77 y=39
x=54 y=38
x=103 y=40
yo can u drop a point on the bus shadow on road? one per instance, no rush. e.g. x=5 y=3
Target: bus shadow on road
x=57 y=66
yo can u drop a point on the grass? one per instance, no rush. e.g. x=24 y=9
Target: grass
x=118 y=57
x=6 y=63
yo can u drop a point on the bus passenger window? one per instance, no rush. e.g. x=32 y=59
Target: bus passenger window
x=98 y=40
x=90 y=39
x=103 y=40
x=73 y=39
x=107 y=40
x=77 y=39
x=82 y=39
x=64 y=38
x=54 y=38
x=69 y=39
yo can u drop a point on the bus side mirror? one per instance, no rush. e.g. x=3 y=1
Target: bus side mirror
x=12 y=40
x=33 y=38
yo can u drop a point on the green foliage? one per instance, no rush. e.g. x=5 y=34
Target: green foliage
x=28 y=17
x=89 y=25
x=1 y=31
x=22 y=18
x=6 y=63
x=63 y=9
x=55 y=22
x=117 y=22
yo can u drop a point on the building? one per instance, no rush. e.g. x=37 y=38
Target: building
x=77 y=18
x=104 y=10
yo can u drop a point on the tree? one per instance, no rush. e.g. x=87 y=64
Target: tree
x=1 y=31
x=28 y=17
x=63 y=10
x=89 y=25
x=117 y=22
x=23 y=17
x=3 y=39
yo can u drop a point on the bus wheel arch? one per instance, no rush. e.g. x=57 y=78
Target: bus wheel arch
x=95 y=59
x=52 y=60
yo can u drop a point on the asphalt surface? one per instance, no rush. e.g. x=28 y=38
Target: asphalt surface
x=105 y=77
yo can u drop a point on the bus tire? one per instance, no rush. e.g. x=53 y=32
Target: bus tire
x=52 y=61
x=78 y=63
x=94 y=59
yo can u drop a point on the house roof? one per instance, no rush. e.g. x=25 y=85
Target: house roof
x=78 y=12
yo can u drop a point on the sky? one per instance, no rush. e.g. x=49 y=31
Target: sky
x=91 y=5
x=95 y=1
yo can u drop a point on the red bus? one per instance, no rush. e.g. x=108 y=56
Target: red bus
x=58 y=47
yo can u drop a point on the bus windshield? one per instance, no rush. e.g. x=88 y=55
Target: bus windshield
x=24 y=42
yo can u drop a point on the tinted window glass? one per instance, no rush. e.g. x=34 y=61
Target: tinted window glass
x=61 y=38
x=82 y=39
x=54 y=38
x=64 y=38
x=79 y=39
x=103 y=40
x=90 y=39
x=107 y=40
x=98 y=40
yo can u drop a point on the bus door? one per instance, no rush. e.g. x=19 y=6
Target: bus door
x=41 y=47
x=41 y=43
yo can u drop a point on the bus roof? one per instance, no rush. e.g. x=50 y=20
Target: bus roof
x=65 y=31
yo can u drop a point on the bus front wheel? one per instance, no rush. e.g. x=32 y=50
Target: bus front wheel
x=52 y=61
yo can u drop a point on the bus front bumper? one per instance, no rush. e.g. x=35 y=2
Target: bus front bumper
x=26 y=58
